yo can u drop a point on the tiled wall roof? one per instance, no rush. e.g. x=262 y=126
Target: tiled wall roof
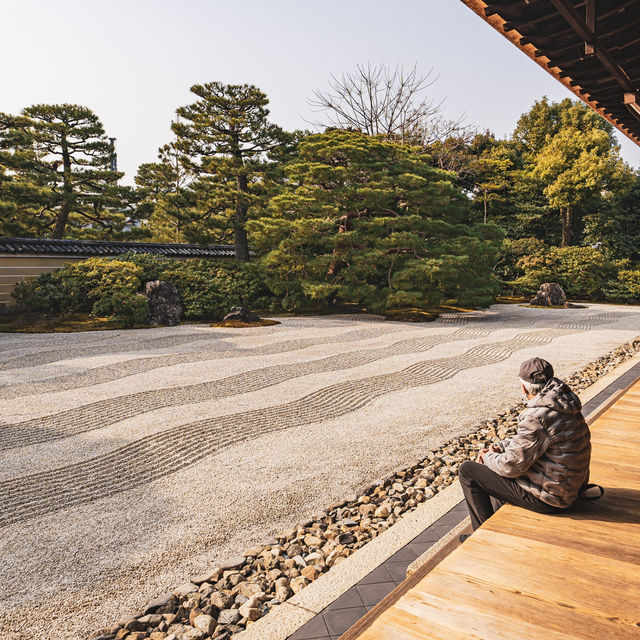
x=48 y=247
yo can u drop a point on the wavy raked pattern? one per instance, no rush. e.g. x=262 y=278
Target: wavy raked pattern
x=107 y=373
x=166 y=452
x=13 y=341
x=105 y=412
x=46 y=356
x=91 y=348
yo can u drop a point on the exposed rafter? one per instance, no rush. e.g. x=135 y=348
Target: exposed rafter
x=592 y=48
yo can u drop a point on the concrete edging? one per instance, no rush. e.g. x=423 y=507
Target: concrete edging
x=458 y=530
x=287 y=618
x=602 y=383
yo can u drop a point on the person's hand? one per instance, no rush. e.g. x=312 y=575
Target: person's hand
x=494 y=447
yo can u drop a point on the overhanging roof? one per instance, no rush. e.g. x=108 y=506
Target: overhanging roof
x=591 y=47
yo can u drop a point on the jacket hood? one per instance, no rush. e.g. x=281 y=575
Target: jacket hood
x=558 y=396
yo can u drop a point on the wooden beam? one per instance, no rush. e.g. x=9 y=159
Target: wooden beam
x=580 y=27
x=514 y=36
x=590 y=47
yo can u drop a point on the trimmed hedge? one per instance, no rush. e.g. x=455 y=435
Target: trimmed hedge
x=210 y=289
x=112 y=287
x=100 y=286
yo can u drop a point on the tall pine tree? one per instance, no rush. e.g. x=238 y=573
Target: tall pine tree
x=227 y=136
x=63 y=181
x=167 y=199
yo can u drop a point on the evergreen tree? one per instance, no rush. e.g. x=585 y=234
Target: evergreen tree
x=544 y=120
x=19 y=206
x=566 y=166
x=371 y=222
x=168 y=201
x=575 y=167
x=225 y=136
x=615 y=226
x=63 y=182
x=488 y=175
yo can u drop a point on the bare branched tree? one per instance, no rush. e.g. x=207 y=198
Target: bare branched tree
x=378 y=100
x=447 y=142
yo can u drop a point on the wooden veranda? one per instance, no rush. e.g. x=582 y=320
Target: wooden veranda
x=574 y=576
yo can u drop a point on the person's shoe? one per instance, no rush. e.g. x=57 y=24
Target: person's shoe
x=464 y=536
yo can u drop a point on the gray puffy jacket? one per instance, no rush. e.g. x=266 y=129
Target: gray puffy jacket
x=550 y=453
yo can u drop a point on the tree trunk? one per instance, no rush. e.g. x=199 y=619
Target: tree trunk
x=239 y=231
x=67 y=192
x=567 y=226
x=485 y=208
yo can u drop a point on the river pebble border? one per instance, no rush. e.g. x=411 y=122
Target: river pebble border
x=223 y=602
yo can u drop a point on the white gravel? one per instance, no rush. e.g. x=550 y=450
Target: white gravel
x=67 y=572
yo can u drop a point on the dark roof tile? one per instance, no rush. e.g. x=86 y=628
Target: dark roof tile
x=46 y=246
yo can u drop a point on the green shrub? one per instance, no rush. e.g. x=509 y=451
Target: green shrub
x=51 y=293
x=512 y=252
x=113 y=288
x=626 y=286
x=101 y=286
x=210 y=289
x=153 y=267
x=123 y=305
x=583 y=272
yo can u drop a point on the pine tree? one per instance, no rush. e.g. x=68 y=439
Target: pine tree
x=63 y=182
x=488 y=175
x=167 y=200
x=20 y=203
x=226 y=136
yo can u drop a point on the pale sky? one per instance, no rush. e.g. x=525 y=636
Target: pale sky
x=133 y=61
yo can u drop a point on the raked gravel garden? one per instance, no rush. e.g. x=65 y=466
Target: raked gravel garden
x=179 y=483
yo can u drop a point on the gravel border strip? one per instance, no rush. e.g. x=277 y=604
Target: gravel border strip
x=227 y=599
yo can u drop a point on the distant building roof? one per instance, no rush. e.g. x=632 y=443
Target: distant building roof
x=48 y=247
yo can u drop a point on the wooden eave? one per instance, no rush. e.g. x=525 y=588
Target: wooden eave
x=553 y=33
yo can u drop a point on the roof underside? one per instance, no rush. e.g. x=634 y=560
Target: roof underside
x=591 y=47
x=48 y=247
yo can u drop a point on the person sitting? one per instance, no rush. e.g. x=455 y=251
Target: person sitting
x=545 y=466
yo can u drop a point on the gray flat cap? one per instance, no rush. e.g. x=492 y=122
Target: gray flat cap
x=536 y=371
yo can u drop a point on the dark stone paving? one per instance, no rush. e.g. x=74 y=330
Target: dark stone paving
x=346 y=610
x=343 y=612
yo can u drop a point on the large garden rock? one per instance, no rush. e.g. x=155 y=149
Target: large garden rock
x=242 y=314
x=550 y=294
x=165 y=303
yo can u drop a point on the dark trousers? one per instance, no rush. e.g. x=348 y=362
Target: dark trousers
x=485 y=492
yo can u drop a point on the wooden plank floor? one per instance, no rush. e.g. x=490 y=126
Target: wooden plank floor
x=528 y=576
